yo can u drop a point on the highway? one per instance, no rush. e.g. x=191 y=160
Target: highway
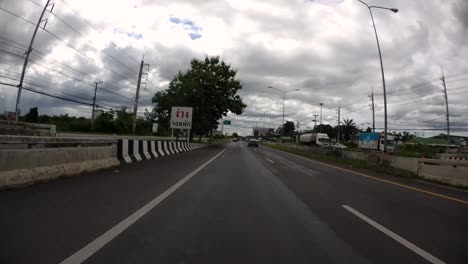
x=234 y=204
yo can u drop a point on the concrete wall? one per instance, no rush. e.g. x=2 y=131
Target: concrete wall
x=26 y=160
x=20 y=167
x=46 y=158
x=450 y=172
x=404 y=163
x=354 y=155
x=450 y=169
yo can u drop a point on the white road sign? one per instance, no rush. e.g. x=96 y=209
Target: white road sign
x=181 y=117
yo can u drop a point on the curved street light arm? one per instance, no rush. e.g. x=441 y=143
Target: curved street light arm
x=386 y=8
x=271 y=87
x=364 y=3
x=293 y=90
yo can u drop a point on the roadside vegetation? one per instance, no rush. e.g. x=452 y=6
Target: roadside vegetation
x=334 y=157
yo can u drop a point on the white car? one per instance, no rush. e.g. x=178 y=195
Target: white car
x=339 y=146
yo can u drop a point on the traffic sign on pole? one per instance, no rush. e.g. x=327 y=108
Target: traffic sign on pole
x=181 y=117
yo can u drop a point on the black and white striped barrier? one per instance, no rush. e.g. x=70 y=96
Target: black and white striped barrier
x=134 y=150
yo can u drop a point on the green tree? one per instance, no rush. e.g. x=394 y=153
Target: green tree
x=32 y=116
x=235 y=135
x=348 y=129
x=327 y=129
x=105 y=122
x=123 y=121
x=289 y=129
x=209 y=86
x=405 y=136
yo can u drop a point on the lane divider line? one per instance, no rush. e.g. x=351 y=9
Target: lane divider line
x=382 y=180
x=394 y=236
x=84 y=253
x=270 y=160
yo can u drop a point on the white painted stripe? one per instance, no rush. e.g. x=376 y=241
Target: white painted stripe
x=136 y=150
x=167 y=147
x=160 y=149
x=270 y=160
x=174 y=147
x=145 y=149
x=125 y=151
x=396 y=237
x=81 y=255
x=179 y=147
x=153 y=149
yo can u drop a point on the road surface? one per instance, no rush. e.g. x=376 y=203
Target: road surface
x=234 y=204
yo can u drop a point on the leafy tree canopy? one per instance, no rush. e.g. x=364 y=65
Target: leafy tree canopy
x=209 y=86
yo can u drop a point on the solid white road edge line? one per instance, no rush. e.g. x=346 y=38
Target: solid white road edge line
x=396 y=237
x=87 y=251
x=269 y=160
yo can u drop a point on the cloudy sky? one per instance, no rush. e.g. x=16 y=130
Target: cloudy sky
x=324 y=48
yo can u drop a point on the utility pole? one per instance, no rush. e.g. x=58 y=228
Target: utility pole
x=297 y=131
x=447 y=110
x=372 y=107
x=321 y=105
x=135 y=107
x=94 y=103
x=26 y=59
x=264 y=114
x=315 y=120
x=339 y=122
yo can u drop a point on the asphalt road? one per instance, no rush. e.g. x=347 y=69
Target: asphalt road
x=234 y=204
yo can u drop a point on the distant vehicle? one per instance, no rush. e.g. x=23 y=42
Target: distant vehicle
x=376 y=141
x=319 y=139
x=252 y=143
x=235 y=140
x=339 y=146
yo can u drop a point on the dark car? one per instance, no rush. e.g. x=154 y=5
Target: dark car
x=253 y=143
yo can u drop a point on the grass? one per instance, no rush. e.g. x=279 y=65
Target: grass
x=334 y=157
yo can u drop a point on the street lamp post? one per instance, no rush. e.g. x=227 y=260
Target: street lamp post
x=264 y=114
x=321 y=105
x=394 y=10
x=284 y=93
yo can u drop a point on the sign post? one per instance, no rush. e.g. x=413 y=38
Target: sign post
x=181 y=118
x=225 y=122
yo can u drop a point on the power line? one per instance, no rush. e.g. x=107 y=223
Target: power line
x=82 y=53
x=11 y=54
x=17 y=16
x=23 y=46
x=463 y=79
x=97 y=30
x=81 y=35
x=457 y=74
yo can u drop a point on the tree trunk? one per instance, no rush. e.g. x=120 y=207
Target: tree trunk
x=199 y=138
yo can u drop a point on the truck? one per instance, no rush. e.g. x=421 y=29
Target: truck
x=375 y=141
x=319 y=139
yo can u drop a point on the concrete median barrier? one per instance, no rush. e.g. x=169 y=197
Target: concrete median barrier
x=28 y=159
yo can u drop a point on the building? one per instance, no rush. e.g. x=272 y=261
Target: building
x=262 y=132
